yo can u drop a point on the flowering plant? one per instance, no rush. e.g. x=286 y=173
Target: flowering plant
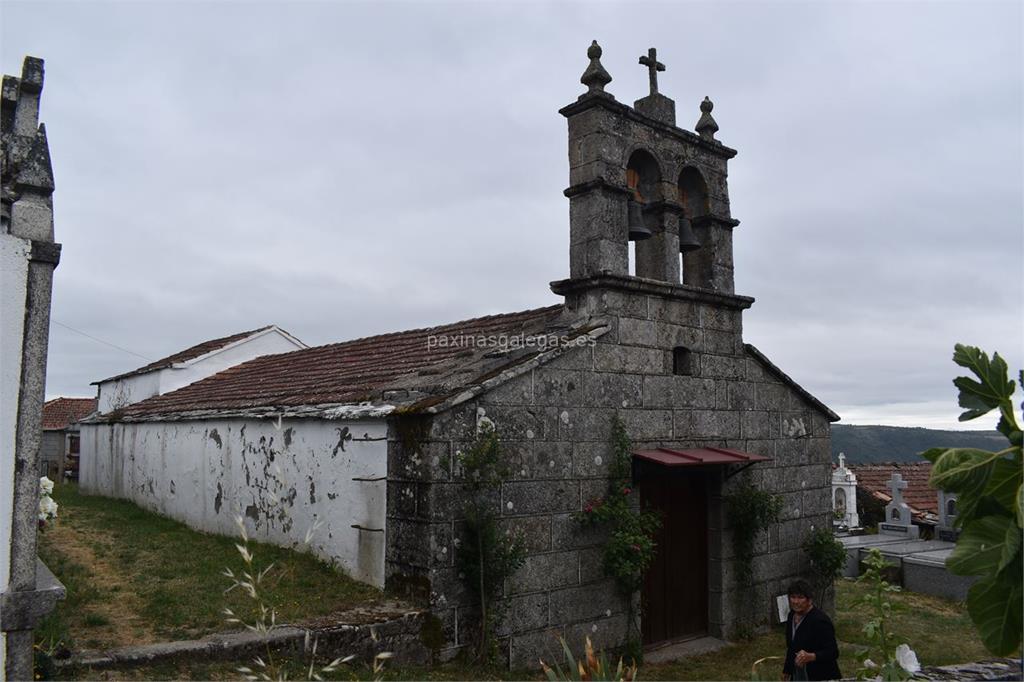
x=47 y=507
x=630 y=547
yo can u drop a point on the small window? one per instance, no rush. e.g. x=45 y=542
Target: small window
x=895 y=514
x=950 y=507
x=683 y=361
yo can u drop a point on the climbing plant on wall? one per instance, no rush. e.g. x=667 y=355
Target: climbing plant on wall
x=630 y=548
x=486 y=556
x=751 y=511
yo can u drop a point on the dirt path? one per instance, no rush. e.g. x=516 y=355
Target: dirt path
x=111 y=618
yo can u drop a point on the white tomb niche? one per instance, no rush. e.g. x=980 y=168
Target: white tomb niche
x=844 y=496
x=947 y=529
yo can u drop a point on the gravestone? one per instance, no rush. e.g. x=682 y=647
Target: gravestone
x=898 y=520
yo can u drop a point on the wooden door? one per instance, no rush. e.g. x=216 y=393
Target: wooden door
x=675 y=593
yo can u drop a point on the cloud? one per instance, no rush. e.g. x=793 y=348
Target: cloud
x=344 y=169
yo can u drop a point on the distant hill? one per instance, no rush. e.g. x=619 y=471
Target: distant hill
x=867 y=444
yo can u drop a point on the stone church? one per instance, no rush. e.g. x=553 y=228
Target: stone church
x=361 y=437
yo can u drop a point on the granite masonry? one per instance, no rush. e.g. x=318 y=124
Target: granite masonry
x=672 y=365
x=659 y=346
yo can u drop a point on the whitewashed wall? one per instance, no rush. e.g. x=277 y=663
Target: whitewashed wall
x=281 y=480
x=269 y=342
x=14 y=253
x=113 y=394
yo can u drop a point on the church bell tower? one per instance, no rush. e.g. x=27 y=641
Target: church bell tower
x=635 y=176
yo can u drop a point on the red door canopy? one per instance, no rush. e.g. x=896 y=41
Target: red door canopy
x=698 y=457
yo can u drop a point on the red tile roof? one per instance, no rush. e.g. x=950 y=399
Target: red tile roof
x=362 y=370
x=187 y=354
x=60 y=412
x=874 y=479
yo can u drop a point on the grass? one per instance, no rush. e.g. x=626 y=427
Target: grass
x=133 y=577
x=937 y=629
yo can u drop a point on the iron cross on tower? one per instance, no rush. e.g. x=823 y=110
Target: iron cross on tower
x=653 y=67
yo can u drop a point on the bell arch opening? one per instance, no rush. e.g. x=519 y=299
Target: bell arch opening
x=693 y=197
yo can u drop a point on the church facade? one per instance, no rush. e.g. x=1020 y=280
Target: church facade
x=370 y=430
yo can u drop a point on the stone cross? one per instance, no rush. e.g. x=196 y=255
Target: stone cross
x=896 y=484
x=653 y=67
x=842 y=461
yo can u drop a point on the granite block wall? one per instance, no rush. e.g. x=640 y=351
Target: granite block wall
x=554 y=423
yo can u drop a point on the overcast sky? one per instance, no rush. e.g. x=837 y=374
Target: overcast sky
x=343 y=169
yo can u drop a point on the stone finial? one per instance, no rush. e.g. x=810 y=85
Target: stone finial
x=10 y=89
x=595 y=77
x=36 y=171
x=706 y=126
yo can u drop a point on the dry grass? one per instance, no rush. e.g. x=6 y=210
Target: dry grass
x=136 y=577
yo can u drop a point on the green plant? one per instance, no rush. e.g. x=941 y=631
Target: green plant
x=990 y=502
x=828 y=558
x=896 y=662
x=630 y=548
x=486 y=557
x=750 y=512
x=591 y=667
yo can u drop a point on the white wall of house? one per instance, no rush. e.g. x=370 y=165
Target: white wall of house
x=282 y=479
x=123 y=392
x=14 y=253
x=132 y=389
x=269 y=342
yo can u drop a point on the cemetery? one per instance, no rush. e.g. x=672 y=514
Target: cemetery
x=919 y=565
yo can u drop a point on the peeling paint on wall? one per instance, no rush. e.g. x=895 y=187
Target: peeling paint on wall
x=251 y=474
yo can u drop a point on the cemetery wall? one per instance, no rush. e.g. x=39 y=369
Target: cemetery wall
x=281 y=478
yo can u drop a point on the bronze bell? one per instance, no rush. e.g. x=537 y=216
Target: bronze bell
x=687 y=239
x=637 y=229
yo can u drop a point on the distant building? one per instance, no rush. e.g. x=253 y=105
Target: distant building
x=59 y=451
x=190 y=365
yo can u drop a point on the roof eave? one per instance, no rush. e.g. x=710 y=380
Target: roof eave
x=789 y=381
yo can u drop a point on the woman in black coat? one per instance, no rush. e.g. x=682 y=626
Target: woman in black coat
x=811 y=649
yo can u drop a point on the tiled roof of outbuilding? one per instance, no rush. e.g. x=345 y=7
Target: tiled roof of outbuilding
x=60 y=412
x=874 y=478
x=402 y=365
x=187 y=354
